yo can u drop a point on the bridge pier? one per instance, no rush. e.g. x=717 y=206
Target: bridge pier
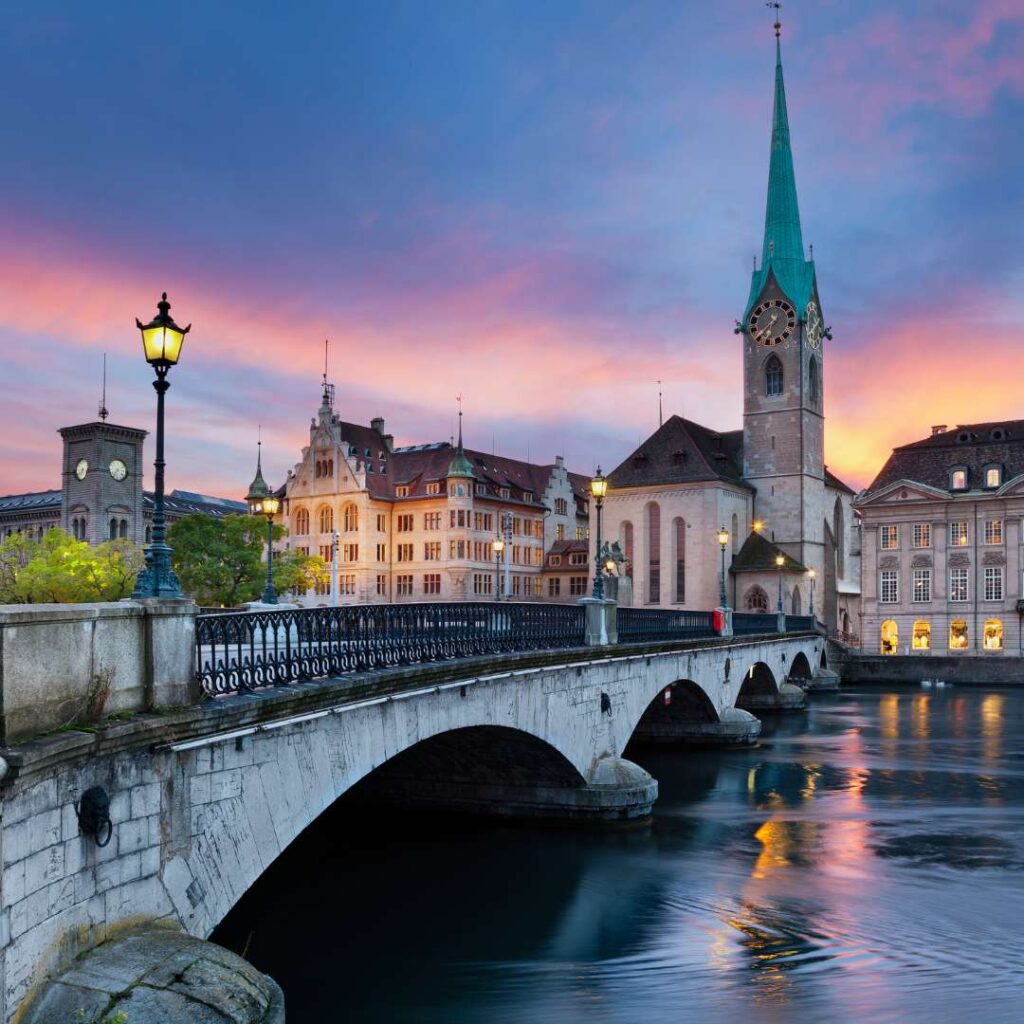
x=824 y=680
x=788 y=698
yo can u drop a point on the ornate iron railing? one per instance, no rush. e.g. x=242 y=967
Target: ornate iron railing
x=754 y=623
x=636 y=624
x=245 y=650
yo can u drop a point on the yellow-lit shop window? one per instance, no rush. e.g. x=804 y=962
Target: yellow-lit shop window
x=922 y=635
x=993 y=635
x=958 y=640
x=890 y=637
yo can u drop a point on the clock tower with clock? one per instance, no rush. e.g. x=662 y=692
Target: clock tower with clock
x=783 y=338
x=102 y=482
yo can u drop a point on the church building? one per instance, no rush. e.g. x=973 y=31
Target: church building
x=766 y=484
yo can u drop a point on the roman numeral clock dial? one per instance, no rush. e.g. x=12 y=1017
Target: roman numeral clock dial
x=772 y=322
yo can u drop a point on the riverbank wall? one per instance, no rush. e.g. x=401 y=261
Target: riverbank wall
x=960 y=670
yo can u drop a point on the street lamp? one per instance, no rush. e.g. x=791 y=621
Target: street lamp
x=723 y=539
x=262 y=502
x=811 y=573
x=162 y=339
x=598 y=489
x=499 y=547
x=780 y=561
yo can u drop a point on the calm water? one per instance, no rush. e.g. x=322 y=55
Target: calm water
x=863 y=864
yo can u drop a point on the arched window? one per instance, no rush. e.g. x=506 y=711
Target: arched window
x=679 y=540
x=796 y=602
x=653 y=553
x=993 y=635
x=890 y=637
x=773 y=377
x=958 y=638
x=326 y=519
x=922 y=639
x=302 y=522
x=627 y=547
x=735 y=533
x=755 y=600
x=813 y=383
x=839 y=533
x=113 y=529
x=318 y=470
x=330 y=467
x=351 y=515
x=123 y=528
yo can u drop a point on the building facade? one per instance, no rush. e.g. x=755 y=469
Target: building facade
x=419 y=523
x=766 y=484
x=943 y=557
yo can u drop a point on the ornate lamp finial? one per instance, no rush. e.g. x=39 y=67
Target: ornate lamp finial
x=778 y=24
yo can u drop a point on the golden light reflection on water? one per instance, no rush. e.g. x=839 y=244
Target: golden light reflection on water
x=889 y=713
x=919 y=727
x=992 y=728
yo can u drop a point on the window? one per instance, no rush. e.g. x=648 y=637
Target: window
x=403 y=552
x=890 y=538
x=457 y=549
x=554 y=587
x=113 y=529
x=773 y=377
x=149 y=533
x=958 y=534
x=958 y=479
x=561 y=507
x=350 y=518
x=889 y=586
x=993 y=636
x=578 y=558
x=458 y=518
x=457 y=490
x=350 y=552
x=922 y=585
x=382 y=584
x=432 y=521
x=382 y=552
x=755 y=600
x=653 y=553
x=813 y=385
x=528 y=497
x=432 y=551
x=346 y=584
x=679 y=539
x=302 y=522
x=889 y=637
x=404 y=524
x=922 y=535
x=993 y=531
x=993 y=583
x=577 y=586
x=402 y=491
x=993 y=477
x=958 y=639
x=560 y=531
x=326 y=519
x=433 y=487
x=627 y=547
x=922 y=638
x=482 y=583
x=327 y=552
x=958 y=584
x=403 y=586
x=432 y=583
x=382 y=522
x=504 y=492
x=480 y=488
x=122 y=529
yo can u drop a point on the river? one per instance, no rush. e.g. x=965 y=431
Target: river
x=862 y=864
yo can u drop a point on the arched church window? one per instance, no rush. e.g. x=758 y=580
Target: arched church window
x=797 y=602
x=326 y=521
x=755 y=600
x=112 y=533
x=653 y=553
x=679 y=539
x=302 y=522
x=122 y=530
x=839 y=532
x=813 y=382
x=351 y=515
x=627 y=547
x=773 y=377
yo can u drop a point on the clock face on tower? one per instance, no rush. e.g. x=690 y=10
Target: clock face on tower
x=815 y=328
x=118 y=470
x=772 y=322
x=82 y=468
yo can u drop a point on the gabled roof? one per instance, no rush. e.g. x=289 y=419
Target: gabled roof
x=758 y=554
x=681 y=451
x=831 y=480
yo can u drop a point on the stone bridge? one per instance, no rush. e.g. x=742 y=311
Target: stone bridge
x=204 y=797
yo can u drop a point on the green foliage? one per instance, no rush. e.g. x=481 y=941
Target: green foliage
x=59 y=569
x=220 y=561
x=101 y=1017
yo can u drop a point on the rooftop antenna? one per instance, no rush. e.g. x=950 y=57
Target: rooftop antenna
x=778 y=24
x=104 y=412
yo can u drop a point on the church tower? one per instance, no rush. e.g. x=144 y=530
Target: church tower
x=783 y=334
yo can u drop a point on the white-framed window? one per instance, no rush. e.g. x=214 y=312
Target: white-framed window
x=889 y=586
x=432 y=583
x=382 y=584
x=555 y=560
x=922 y=535
x=403 y=553
x=432 y=551
x=958 y=480
x=382 y=522
x=577 y=585
x=890 y=536
x=958 y=584
x=402 y=491
x=561 y=507
x=922 y=585
x=993 y=531
x=993 y=583
x=958 y=535
x=433 y=487
x=993 y=476
x=403 y=586
x=382 y=552
x=577 y=558
x=404 y=524
x=432 y=521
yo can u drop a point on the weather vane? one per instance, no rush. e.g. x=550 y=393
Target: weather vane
x=778 y=23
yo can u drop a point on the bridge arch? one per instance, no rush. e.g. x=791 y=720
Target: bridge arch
x=680 y=703
x=801 y=667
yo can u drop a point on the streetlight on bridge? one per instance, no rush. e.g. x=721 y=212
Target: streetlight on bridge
x=499 y=547
x=780 y=561
x=598 y=489
x=723 y=540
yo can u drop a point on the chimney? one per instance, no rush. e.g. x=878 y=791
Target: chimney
x=389 y=442
x=559 y=461
x=939 y=428
x=377 y=423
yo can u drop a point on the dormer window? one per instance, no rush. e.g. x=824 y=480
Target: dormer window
x=993 y=476
x=958 y=478
x=369 y=467
x=402 y=491
x=480 y=488
x=963 y=437
x=505 y=492
x=998 y=434
x=433 y=488
x=352 y=450
x=528 y=496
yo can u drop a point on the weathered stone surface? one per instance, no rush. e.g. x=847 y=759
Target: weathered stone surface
x=157 y=976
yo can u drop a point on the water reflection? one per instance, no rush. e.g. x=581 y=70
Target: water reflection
x=861 y=864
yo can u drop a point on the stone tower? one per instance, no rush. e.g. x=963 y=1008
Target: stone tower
x=783 y=335
x=101 y=482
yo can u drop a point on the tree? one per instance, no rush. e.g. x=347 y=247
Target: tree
x=220 y=561
x=59 y=569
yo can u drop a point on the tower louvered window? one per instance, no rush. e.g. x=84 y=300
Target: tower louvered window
x=773 y=377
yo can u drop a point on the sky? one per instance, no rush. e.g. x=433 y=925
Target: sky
x=542 y=205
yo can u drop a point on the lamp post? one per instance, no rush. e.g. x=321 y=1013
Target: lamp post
x=723 y=539
x=780 y=561
x=811 y=574
x=162 y=339
x=499 y=546
x=334 y=569
x=598 y=489
x=262 y=502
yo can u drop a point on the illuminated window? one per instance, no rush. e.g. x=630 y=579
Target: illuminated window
x=302 y=522
x=993 y=638
x=888 y=586
x=958 y=536
x=958 y=640
x=958 y=479
x=993 y=476
x=773 y=377
x=326 y=519
x=351 y=518
x=993 y=583
x=889 y=639
x=890 y=536
x=993 y=531
x=958 y=584
x=922 y=640
x=922 y=585
x=922 y=535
